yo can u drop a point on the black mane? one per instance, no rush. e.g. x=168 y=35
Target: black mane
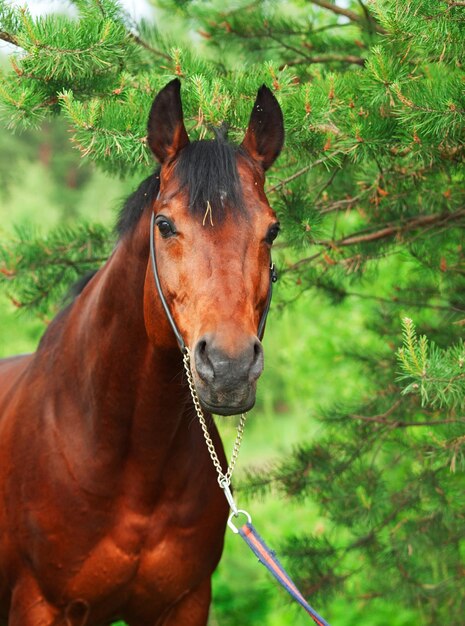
x=144 y=196
x=207 y=170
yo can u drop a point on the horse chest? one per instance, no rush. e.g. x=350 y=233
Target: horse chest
x=148 y=562
x=138 y=551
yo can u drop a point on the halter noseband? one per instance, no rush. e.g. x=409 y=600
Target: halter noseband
x=177 y=334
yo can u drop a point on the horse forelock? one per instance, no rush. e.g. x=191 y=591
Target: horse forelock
x=206 y=170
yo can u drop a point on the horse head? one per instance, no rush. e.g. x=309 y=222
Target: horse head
x=213 y=229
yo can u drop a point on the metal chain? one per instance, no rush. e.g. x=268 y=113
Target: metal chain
x=224 y=480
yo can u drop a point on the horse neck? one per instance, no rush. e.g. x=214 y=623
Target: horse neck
x=129 y=390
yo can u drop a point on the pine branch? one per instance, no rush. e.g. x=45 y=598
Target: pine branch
x=341 y=205
x=286 y=45
x=322 y=58
x=4 y=36
x=383 y=418
x=424 y=221
x=395 y=229
x=35 y=270
x=438 y=375
x=368 y=16
x=327 y=58
x=297 y=174
x=421 y=304
x=302 y=171
x=351 y=15
x=148 y=47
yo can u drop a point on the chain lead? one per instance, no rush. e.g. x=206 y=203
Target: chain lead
x=224 y=480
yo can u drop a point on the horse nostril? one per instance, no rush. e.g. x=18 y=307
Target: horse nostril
x=203 y=365
x=256 y=367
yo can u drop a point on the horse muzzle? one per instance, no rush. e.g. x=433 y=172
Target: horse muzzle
x=226 y=384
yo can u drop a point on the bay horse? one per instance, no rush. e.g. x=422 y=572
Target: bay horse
x=110 y=507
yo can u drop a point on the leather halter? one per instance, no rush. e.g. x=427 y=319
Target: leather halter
x=179 y=339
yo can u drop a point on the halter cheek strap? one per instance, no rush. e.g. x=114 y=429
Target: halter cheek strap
x=177 y=334
x=273 y=279
x=153 y=257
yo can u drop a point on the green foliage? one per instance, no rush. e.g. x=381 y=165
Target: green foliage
x=369 y=191
x=60 y=51
x=36 y=269
x=438 y=375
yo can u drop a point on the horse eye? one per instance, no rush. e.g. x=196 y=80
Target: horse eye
x=272 y=233
x=165 y=227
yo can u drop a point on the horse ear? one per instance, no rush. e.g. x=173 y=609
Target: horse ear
x=167 y=134
x=265 y=134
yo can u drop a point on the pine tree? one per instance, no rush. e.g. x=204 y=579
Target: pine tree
x=370 y=192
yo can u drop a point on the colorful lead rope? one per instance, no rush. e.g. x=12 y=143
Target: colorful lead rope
x=268 y=558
